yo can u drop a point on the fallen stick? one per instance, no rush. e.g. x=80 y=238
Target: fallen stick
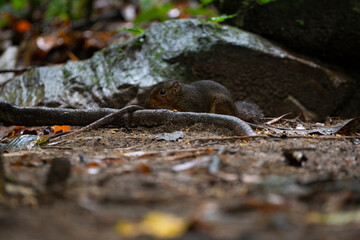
x=102 y=121
x=272 y=136
x=44 y=116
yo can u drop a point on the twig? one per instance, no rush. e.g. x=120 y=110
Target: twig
x=273 y=136
x=15 y=70
x=168 y=152
x=293 y=131
x=274 y=120
x=102 y=121
x=228 y=138
x=182 y=156
x=323 y=137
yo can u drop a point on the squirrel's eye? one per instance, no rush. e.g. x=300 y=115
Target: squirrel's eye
x=162 y=92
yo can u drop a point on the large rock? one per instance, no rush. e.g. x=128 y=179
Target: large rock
x=251 y=67
x=328 y=29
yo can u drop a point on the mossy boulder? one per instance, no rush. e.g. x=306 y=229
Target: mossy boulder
x=252 y=68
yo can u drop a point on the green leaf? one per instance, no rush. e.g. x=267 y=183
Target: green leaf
x=18 y=4
x=300 y=21
x=205 y=2
x=155 y=13
x=146 y=4
x=262 y=2
x=135 y=31
x=41 y=141
x=200 y=11
x=221 y=18
x=57 y=8
x=3 y=22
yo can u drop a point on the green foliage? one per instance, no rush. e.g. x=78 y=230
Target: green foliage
x=154 y=13
x=18 y=4
x=65 y=9
x=151 y=10
x=135 y=31
x=77 y=8
x=3 y=22
x=146 y=4
x=205 y=2
x=262 y=2
x=300 y=21
x=41 y=141
x=57 y=8
x=221 y=18
x=200 y=11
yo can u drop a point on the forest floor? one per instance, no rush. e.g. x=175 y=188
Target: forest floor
x=203 y=186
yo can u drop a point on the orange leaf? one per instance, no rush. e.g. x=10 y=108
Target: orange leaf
x=93 y=164
x=63 y=128
x=22 y=26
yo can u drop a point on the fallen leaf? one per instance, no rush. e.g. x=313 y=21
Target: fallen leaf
x=127 y=229
x=337 y=218
x=142 y=168
x=155 y=224
x=167 y=136
x=63 y=128
x=188 y=165
x=23 y=142
x=345 y=127
x=22 y=26
x=5 y=131
x=163 y=225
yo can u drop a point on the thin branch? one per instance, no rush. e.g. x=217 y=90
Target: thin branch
x=102 y=121
x=228 y=138
x=274 y=120
x=272 y=136
x=15 y=70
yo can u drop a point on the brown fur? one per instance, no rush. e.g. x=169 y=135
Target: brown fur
x=201 y=96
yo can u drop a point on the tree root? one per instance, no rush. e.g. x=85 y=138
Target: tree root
x=40 y=116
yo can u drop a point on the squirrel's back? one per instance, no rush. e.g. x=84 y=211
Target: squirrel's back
x=201 y=96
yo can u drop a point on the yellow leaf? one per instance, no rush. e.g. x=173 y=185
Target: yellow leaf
x=155 y=224
x=163 y=225
x=337 y=218
x=127 y=229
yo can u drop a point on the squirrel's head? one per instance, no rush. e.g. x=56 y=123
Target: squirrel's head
x=165 y=95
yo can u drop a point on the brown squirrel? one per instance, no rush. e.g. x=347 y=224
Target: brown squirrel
x=201 y=96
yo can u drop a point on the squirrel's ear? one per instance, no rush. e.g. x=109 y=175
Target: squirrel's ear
x=176 y=86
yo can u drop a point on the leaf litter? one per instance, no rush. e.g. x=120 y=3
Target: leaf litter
x=220 y=188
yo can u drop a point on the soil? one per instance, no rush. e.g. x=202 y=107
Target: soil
x=235 y=189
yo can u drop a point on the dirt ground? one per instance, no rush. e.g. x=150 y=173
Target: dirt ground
x=220 y=189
